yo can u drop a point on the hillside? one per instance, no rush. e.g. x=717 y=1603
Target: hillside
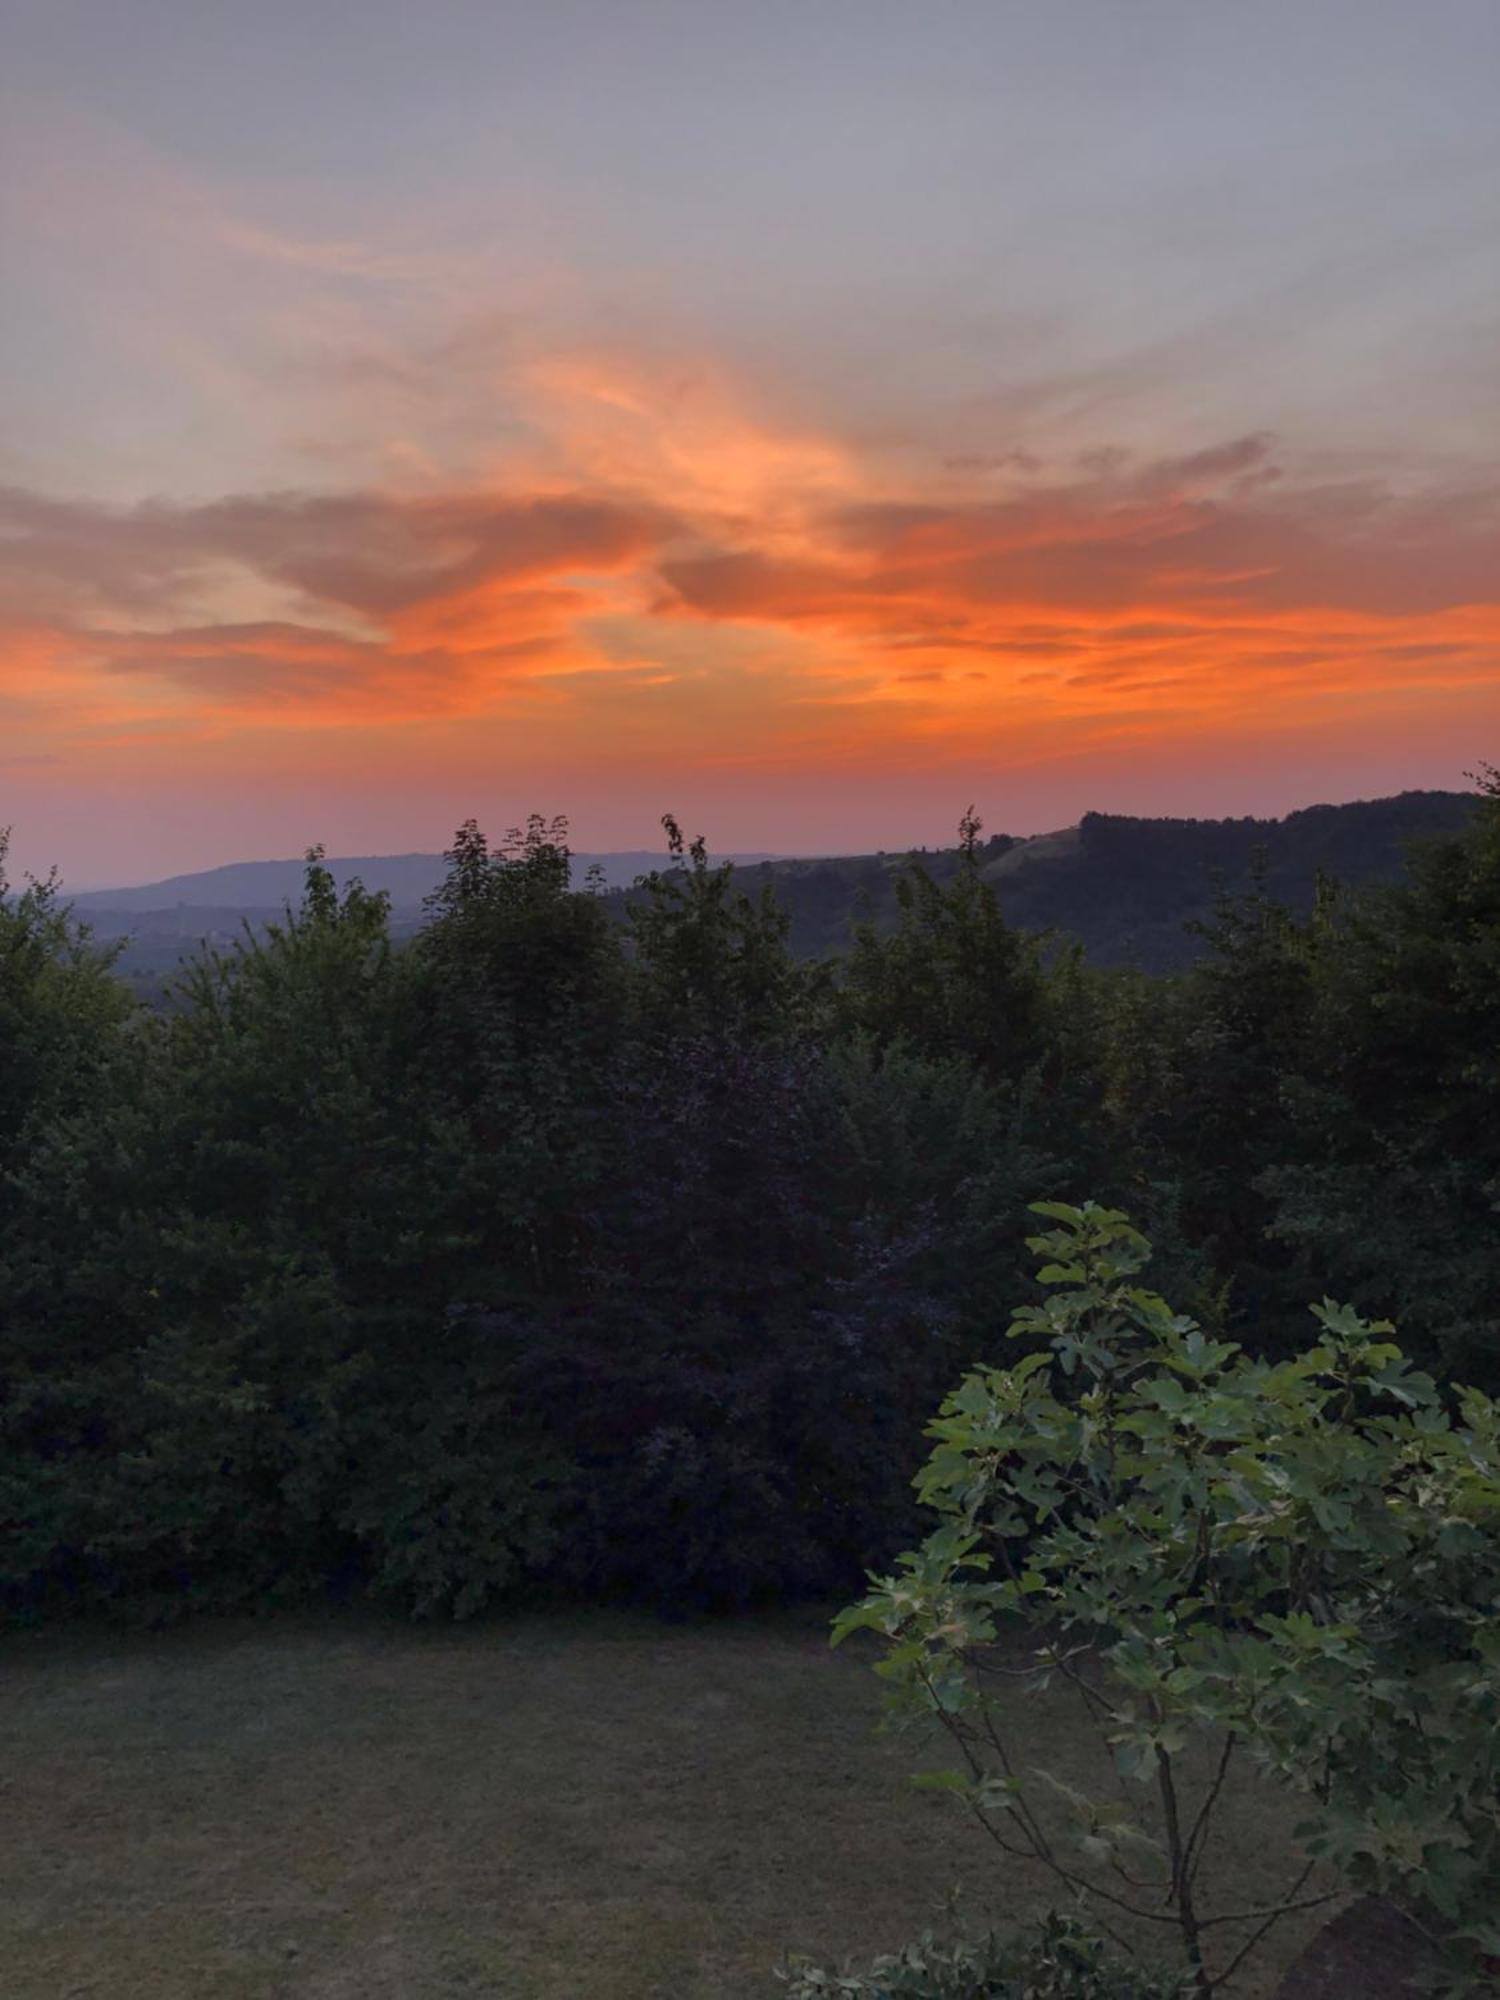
x=1126 y=888
x=256 y=886
x=161 y=923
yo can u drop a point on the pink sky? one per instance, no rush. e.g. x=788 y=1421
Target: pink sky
x=808 y=441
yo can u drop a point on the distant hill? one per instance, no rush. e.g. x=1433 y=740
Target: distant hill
x=1128 y=887
x=270 y=885
x=1125 y=888
x=163 y=923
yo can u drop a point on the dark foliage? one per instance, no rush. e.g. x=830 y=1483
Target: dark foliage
x=624 y=1258
x=1060 y=1959
x=1129 y=892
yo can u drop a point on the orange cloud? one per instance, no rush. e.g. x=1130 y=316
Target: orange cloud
x=666 y=573
x=375 y=609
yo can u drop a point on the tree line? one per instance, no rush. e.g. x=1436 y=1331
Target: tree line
x=540 y=1253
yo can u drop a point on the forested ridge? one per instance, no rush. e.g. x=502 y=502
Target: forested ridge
x=543 y=1252
x=1130 y=891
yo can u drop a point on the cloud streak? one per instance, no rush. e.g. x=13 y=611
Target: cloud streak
x=672 y=566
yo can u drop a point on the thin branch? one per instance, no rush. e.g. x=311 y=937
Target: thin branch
x=1182 y=1887
x=1098 y=1710
x=1093 y=1699
x=1274 y=1917
x=1040 y=1848
x=1088 y=1887
x=1132 y=1881
x=1193 y=1857
x=1276 y=1910
x=1005 y=1846
x=981 y=1665
x=1021 y=1806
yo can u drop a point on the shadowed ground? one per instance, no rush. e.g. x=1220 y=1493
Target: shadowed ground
x=546 y=1808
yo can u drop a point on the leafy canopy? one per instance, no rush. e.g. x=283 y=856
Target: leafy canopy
x=1297 y=1559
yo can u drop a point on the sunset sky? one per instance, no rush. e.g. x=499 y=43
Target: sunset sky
x=806 y=415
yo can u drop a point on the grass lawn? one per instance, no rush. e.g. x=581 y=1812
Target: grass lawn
x=591 y=1808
